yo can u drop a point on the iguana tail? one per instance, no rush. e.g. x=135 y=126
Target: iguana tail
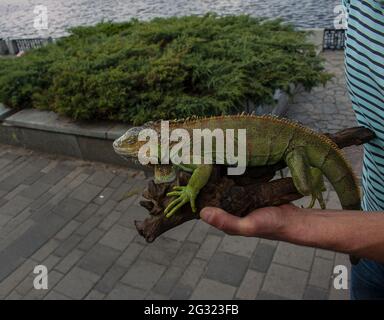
x=339 y=173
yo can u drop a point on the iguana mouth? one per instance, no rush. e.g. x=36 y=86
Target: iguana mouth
x=123 y=151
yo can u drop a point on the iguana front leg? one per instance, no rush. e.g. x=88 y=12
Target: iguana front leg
x=185 y=194
x=308 y=180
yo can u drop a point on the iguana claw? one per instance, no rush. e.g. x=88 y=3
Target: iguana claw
x=185 y=194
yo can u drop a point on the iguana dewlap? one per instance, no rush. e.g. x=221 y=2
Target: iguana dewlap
x=308 y=155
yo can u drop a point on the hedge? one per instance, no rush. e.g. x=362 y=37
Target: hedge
x=162 y=69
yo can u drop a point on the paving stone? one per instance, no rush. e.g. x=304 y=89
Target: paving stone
x=321 y=273
x=26 y=285
x=269 y=296
x=35 y=190
x=99 y=259
x=110 y=220
x=69 y=208
x=285 y=281
x=110 y=278
x=227 y=268
x=156 y=296
x=181 y=232
x=86 y=192
x=77 y=283
x=104 y=196
x=189 y=280
x=294 y=256
x=13 y=231
x=67 y=231
x=168 y=280
x=54 y=176
x=17 y=177
x=68 y=245
x=91 y=239
x=181 y=292
x=70 y=182
x=10 y=195
x=51 y=261
x=162 y=251
x=242 y=246
x=30 y=241
x=199 y=232
x=314 y=293
x=106 y=208
x=123 y=190
x=216 y=232
x=40 y=214
x=118 y=237
x=46 y=250
x=325 y=254
x=133 y=213
x=262 y=257
x=143 y=274
x=251 y=285
x=117 y=181
x=87 y=226
x=41 y=201
x=10 y=283
x=212 y=290
x=15 y=206
x=123 y=292
x=69 y=261
x=186 y=254
x=101 y=178
x=208 y=247
x=130 y=255
x=14 y=295
x=95 y=295
x=53 y=295
x=343 y=259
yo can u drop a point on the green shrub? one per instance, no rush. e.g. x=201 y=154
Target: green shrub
x=166 y=68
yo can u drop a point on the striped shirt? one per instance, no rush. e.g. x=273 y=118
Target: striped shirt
x=364 y=63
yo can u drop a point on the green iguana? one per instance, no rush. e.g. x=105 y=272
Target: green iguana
x=308 y=155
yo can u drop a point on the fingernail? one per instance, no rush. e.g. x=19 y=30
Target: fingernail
x=206 y=214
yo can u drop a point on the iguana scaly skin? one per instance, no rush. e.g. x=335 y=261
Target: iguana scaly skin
x=308 y=155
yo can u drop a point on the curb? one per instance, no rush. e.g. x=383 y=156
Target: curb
x=47 y=132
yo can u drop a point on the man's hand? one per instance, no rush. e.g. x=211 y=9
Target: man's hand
x=339 y=230
x=269 y=223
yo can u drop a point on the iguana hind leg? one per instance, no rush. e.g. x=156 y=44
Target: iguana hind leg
x=308 y=180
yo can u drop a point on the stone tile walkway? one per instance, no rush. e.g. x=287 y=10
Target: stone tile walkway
x=69 y=216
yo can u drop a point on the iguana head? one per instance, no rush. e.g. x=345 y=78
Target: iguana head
x=128 y=145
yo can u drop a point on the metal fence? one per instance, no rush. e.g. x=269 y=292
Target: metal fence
x=14 y=46
x=334 y=39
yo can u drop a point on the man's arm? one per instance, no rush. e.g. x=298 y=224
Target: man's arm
x=351 y=232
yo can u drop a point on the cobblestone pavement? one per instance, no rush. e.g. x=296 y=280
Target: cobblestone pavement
x=69 y=216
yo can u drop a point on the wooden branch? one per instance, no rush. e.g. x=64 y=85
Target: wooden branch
x=237 y=195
